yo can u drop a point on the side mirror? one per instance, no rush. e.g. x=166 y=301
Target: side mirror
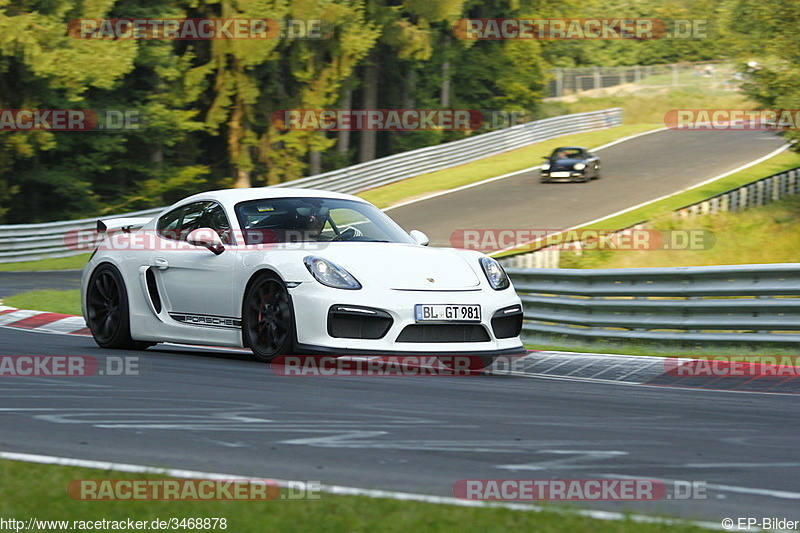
x=206 y=237
x=419 y=237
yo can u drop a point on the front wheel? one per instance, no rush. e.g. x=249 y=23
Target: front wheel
x=267 y=318
x=107 y=313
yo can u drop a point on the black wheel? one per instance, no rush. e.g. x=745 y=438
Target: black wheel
x=467 y=362
x=267 y=318
x=107 y=310
x=597 y=172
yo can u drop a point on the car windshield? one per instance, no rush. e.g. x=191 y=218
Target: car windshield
x=567 y=153
x=280 y=220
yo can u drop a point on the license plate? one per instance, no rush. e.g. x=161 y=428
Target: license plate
x=447 y=313
x=559 y=174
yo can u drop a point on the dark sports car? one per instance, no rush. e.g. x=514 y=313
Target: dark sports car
x=572 y=163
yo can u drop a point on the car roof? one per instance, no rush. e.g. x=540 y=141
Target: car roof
x=234 y=196
x=571 y=148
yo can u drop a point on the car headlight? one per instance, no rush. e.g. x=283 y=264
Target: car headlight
x=579 y=166
x=330 y=274
x=545 y=166
x=497 y=277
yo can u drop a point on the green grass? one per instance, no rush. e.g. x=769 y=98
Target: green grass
x=490 y=167
x=74 y=262
x=649 y=107
x=768 y=234
x=65 y=302
x=664 y=207
x=33 y=490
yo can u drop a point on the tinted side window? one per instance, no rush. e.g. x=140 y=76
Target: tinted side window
x=178 y=223
x=168 y=224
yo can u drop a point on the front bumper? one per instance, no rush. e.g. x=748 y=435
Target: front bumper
x=563 y=175
x=312 y=303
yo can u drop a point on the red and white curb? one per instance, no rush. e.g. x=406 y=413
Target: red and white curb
x=42 y=322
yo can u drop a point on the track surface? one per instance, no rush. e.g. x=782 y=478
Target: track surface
x=634 y=171
x=226 y=413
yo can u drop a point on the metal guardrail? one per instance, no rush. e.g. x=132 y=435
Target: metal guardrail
x=755 y=194
x=28 y=242
x=737 y=303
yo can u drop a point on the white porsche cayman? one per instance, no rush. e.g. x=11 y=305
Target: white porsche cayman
x=283 y=270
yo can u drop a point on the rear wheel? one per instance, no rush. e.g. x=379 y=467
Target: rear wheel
x=267 y=318
x=107 y=313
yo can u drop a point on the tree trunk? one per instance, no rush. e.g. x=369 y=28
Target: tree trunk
x=444 y=93
x=368 y=139
x=235 y=137
x=314 y=162
x=343 y=136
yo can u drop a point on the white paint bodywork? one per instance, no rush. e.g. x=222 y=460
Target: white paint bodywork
x=394 y=278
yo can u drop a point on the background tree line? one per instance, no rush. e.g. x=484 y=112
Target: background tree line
x=207 y=104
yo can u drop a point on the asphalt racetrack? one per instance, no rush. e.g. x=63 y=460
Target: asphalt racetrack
x=222 y=412
x=634 y=171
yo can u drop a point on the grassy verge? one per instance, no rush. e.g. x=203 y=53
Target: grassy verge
x=649 y=107
x=74 y=262
x=664 y=207
x=65 y=302
x=31 y=490
x=766 y=234
x=490 y=167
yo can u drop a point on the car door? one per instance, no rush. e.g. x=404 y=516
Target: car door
x=195 y=282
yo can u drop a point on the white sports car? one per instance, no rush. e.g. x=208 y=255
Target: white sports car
x=283 y=270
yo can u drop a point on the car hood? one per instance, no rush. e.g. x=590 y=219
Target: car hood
x=404 y=266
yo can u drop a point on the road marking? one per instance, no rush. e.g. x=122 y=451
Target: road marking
x=574 y=456
x=780 y=494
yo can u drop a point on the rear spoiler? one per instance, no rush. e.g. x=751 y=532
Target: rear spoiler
x=124 y=224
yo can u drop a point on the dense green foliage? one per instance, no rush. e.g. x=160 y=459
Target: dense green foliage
x=206 y=105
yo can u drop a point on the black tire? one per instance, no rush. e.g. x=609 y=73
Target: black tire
x=473 y=363
x=597 y=172
x=107 y=311
x=268 y=318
